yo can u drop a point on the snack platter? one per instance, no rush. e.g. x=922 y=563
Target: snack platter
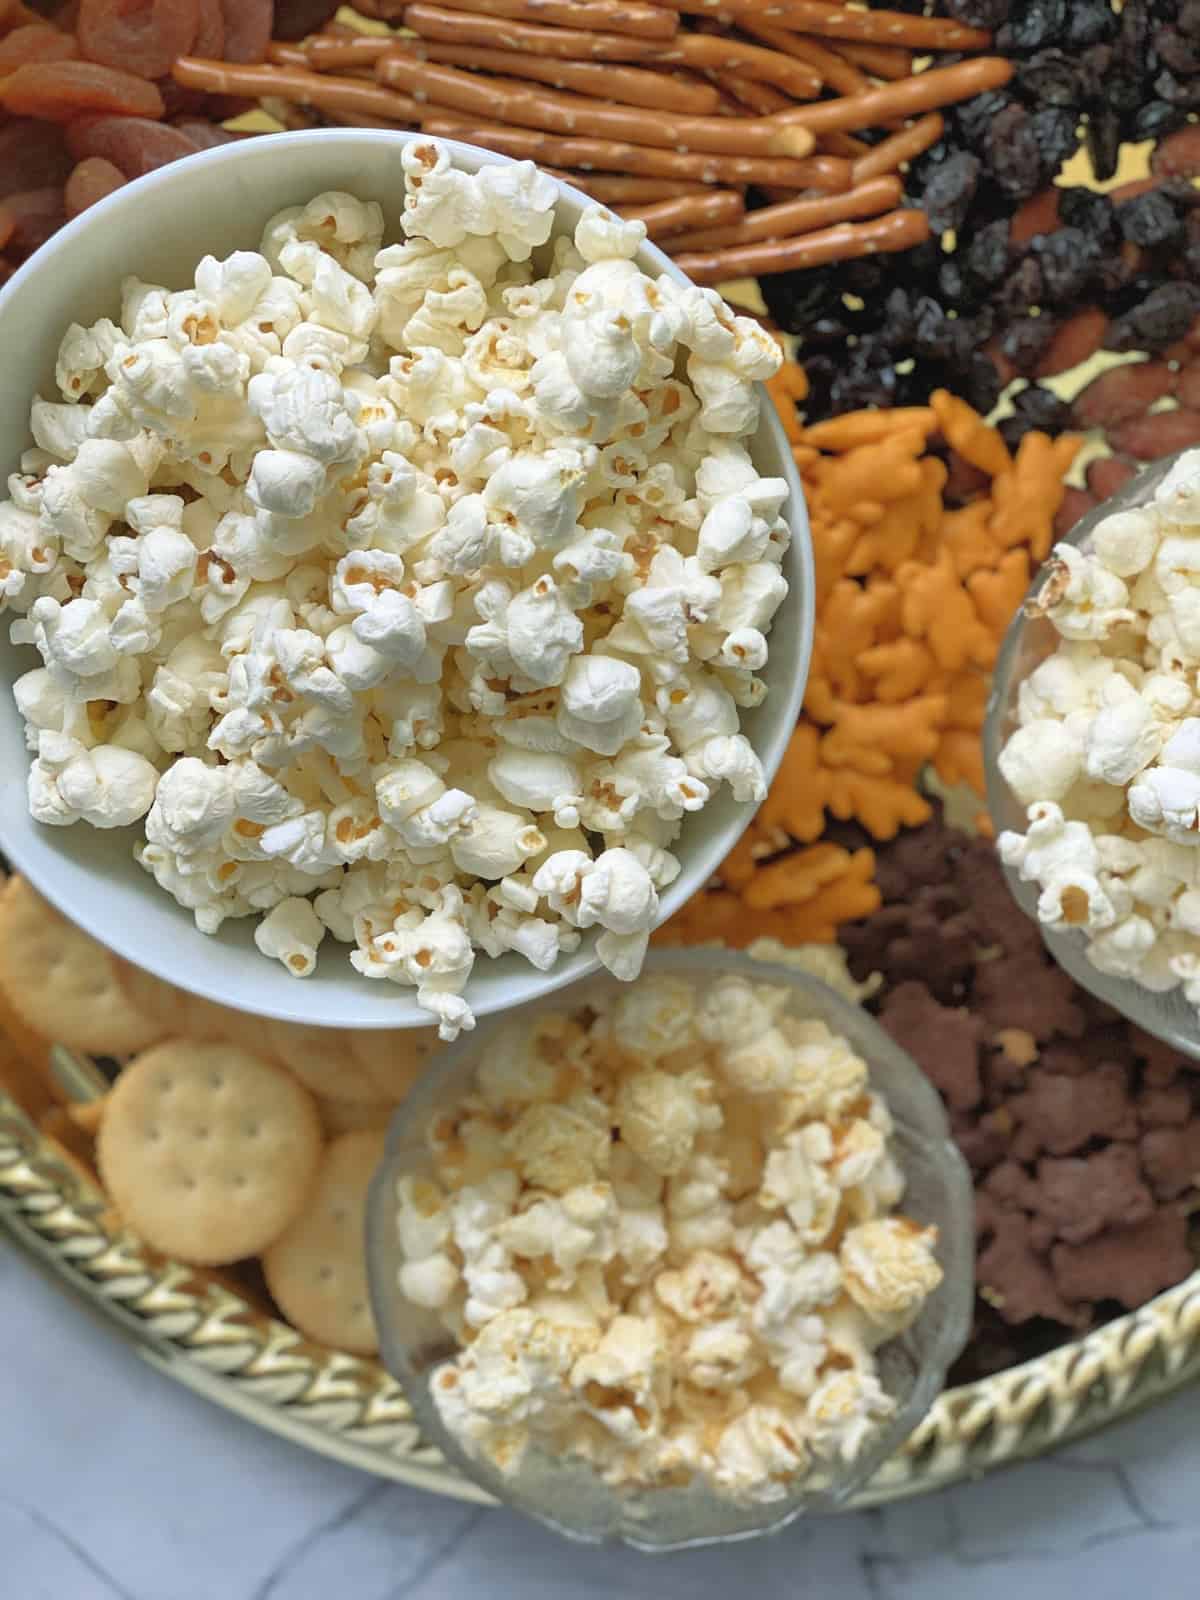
x=218 y=1331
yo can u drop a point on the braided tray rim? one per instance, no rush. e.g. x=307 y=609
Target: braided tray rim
x=209 y=1338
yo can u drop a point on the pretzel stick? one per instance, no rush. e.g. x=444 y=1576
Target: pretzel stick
x=899 y=230
x=500 y=33
x=593 y=16
x=667 y=217
x=320 y=90
x=686 y=49
x=603 y=155
x=661 y=91
x=799 y=216
x=841 y=22
x=845 y=144
x=326 y=52
x=904 y=146
x=928 y=91
x=760 y=99
x=630 y=86
x=833 y=69
x=881 y=60
x=357 y=119
x=613 y=191
x=569 y=114
x=286 y=55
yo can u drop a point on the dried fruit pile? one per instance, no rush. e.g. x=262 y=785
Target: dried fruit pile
x=1037 y=274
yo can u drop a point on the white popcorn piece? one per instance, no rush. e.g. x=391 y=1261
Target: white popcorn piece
x=609 y=1302
x=291 y=932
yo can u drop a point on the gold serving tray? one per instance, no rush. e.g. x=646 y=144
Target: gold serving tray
x=207 y=1336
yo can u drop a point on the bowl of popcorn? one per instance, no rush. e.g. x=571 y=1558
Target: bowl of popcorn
x=391 y=552
x=1092 y=749
x=672 y=1262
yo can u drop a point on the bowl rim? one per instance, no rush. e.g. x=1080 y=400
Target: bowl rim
x=25 y=844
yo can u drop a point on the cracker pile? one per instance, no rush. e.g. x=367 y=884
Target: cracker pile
x=224 y=1137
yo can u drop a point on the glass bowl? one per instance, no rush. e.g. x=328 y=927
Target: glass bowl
x=1029 y=640
x=568 y=1495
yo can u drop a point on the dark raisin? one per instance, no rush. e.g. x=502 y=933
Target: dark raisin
x=1188 y=19
x=1177 y=53
x=1160 y=319
x=933 y=335
x=1012 y=153
x=1057 y=135
x=1149 y=220
x=1043 y=408
x=1090 y=22
x=1024 y=340
x=950 y=190
x=1088 y=211
x=1155 y=119
x=1093 y=65
x=1036 y=23
x=1050 y=78
x=1104 y=141
x=1177 y=92
x=979 y=13
x=986 y=256
x=1133 y=37
x=795 y=299
x=978 y=383
x=1068 y=260
x=974 y=117
x=1023 y=287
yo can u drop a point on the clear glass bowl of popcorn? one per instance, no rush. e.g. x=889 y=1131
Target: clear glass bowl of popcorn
x=570 y=1479
x=1030 y=641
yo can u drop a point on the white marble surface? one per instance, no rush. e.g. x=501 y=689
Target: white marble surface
x=116 y=1484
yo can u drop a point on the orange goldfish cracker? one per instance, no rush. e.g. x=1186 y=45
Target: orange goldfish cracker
x=938 y=609
x=1028 y=496
x=859 y=428
x=898 y=669
x=965 y=534
x=966 y=431
x=887 y=470
x=796 y=800
x=883 y=731
x=796 y=878
x=966 y=701
x=740 y=865
x=959 y=759
x=882 y=805
x=998 y=595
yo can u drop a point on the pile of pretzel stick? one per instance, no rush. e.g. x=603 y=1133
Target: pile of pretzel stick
x=751 y=136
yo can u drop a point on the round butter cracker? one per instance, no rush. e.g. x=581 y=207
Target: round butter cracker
x=317 y=1270
x=207 y=1151
x=63 y=984
x=321 y=1058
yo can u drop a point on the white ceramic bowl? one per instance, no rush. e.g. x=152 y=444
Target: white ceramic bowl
x=158 y=228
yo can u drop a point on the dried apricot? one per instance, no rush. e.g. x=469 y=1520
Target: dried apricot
x=248 y=26
x=57 y=91
x=36 y=41
x=92 y=180
x=139 y=36
x=209 y=43
x=130 y=143
x=32 y=156
x=36 y=214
